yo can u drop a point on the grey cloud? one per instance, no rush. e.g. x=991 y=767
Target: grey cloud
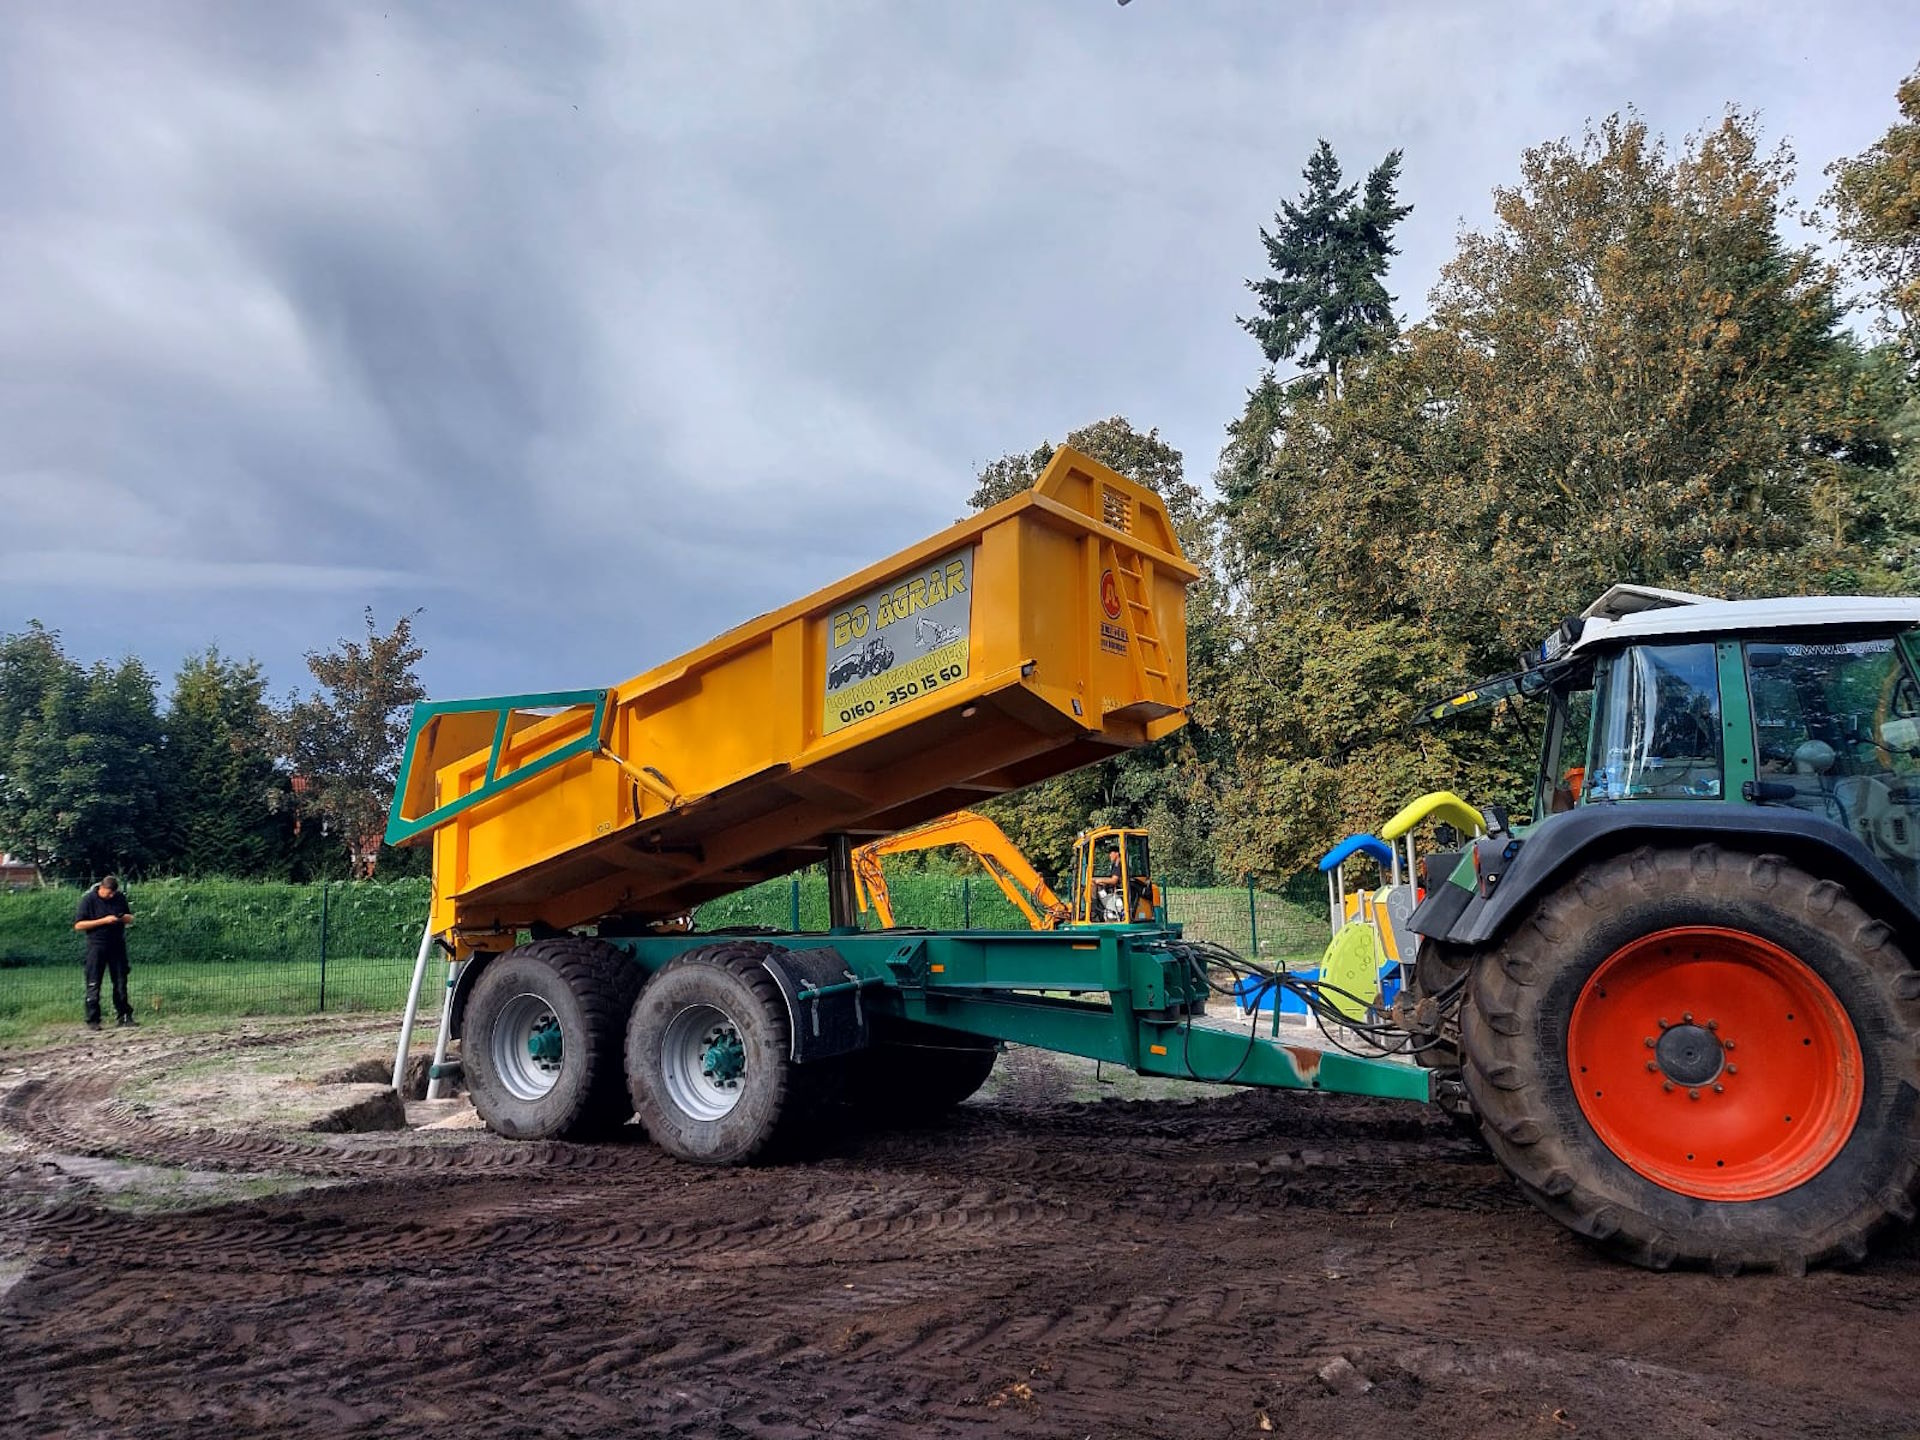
x=597 y=328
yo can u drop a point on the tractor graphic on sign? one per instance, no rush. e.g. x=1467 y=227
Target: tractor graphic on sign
x=873 y=658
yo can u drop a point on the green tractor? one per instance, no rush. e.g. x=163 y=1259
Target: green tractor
x=1682 y=1006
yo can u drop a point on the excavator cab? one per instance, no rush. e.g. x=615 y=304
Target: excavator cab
x=1113 y=879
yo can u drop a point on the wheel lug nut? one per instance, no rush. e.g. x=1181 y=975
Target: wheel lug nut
x=1653 y=1066
x=1728 y=1044
x=1687 y=1019
x=1733 y=1069
x=1665 y=1024
x=1652 y=1044
x=1718 y=1088
x=1713 y=1024
x=1666 y=1085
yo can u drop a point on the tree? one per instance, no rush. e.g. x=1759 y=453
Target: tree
x=1876 y=203
x=1329 y=253
x=1116 y=444
x=346 y=741
x=1631 y=377
x=223 y=788
x=80 y=790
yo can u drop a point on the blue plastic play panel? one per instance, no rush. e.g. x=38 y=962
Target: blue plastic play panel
x=1371 y=846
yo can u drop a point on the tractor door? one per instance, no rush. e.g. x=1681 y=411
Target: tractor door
x=1837 y=730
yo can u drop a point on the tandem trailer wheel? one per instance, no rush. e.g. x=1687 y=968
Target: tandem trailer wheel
x=541 y=1042
x=709 y=1057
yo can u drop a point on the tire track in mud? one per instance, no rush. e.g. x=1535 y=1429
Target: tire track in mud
x=1027 y=1268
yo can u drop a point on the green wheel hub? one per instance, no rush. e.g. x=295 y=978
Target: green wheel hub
x=544 y=1042
x=726 y=1059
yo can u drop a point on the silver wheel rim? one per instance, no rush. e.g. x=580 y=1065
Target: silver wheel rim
x=694 y=1062
x=526 y=1060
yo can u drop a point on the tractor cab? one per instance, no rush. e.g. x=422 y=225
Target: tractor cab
x=1810 y=704
x=1113 y=879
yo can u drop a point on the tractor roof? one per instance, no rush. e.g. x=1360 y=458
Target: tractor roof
x=1628 y=613
x=1635 y=612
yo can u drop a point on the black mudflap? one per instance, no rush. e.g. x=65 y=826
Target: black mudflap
x=823 y=1025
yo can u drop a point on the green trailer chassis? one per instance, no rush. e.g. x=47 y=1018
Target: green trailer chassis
x=1123 y=994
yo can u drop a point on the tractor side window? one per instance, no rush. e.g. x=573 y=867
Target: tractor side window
x=1837 y=727
x=1563 y=760
x=1656 y=726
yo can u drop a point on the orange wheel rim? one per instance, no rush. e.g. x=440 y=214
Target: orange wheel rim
x=1715 y=1063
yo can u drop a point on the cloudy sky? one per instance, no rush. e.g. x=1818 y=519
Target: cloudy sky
x=594 y=329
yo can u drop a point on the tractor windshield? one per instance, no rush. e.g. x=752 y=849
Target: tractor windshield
x=1656 y=726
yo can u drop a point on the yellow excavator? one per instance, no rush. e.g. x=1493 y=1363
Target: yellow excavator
x=1112 y=872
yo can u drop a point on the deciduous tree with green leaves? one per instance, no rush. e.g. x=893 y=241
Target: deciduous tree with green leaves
x=1630 y=377
x=346 y=740
x=1876 y=205
x=80 y=760
x=222 y=784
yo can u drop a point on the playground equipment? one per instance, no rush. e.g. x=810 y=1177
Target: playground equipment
x=1682 y=1003
x=1112 y=872
x=1370 y=953
x=573 y=831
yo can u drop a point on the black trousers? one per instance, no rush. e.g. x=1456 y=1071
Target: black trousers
x=116 y=966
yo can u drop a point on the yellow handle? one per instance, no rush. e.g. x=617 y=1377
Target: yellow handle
x=1442 y=805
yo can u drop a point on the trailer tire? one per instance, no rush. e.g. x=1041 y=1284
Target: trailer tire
x=917 y=1073
x=567 y=998
x=1803 y=1001
x=709 y=1057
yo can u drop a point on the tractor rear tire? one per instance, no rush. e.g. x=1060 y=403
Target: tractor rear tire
x=540 y=1048
x=709 y=1057
x=915 y=1073
x=1702 y=1057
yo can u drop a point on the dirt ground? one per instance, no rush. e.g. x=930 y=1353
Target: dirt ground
x=1056 y=1259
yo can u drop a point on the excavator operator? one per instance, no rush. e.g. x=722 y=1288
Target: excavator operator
x=1109 y=901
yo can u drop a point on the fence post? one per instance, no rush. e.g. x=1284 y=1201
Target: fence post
x=1253 y=921
x=323 y=946
x=794 y=926
x=966 y=902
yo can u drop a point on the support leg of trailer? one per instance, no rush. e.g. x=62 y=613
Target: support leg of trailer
x=446 y=1028
x=413 y=1009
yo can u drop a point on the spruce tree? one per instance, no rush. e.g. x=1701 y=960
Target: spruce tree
x=1326 y=303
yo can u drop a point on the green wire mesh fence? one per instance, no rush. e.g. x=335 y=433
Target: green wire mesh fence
x=230 y=947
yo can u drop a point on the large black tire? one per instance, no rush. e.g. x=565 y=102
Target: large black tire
x=913 y=1073
x=1515 y=1035
x=580 y=987
x=717 y=995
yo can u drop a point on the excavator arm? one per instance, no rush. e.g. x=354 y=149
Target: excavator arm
x=987 y=842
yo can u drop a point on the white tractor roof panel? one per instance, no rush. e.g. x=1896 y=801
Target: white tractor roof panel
x=1681 y=620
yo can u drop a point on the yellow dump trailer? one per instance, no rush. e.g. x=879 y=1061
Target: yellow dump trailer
x=1040 y=635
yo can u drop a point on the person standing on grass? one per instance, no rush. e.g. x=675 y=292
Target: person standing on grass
x=103 y=919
